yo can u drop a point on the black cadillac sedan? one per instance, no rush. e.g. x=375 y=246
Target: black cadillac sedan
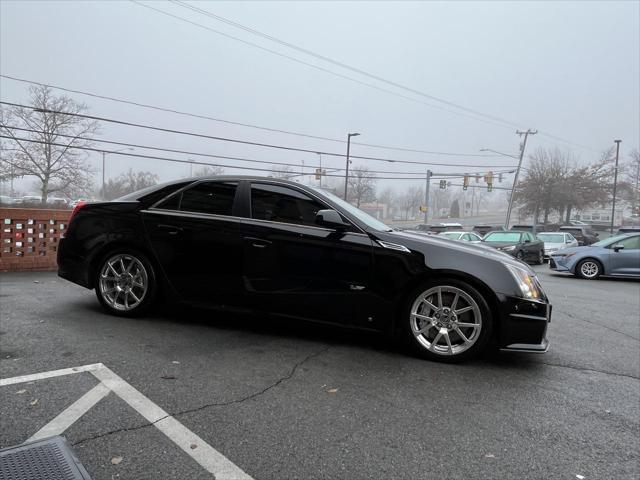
x=280 y=248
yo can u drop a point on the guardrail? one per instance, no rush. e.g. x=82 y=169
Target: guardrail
x=29 y=238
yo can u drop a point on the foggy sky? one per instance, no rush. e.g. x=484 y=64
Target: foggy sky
x=569 y=69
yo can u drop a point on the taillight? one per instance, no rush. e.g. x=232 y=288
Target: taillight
x=76 y=209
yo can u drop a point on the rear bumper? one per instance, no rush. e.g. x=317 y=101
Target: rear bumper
x=524 y=325
x=72 y=266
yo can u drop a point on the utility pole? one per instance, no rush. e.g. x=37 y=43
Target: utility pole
x=103 y=185
x=515 y=178
x=615 y=184
x=426 y=197
x=346 y=173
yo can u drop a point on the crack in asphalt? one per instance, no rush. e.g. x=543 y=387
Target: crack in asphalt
x=598 y=324
x=282 y=379
x=582 y=369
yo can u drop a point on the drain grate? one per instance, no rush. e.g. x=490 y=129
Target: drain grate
x=46 y=459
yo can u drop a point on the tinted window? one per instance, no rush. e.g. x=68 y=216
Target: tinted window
x=209 y=197
x=282 y=204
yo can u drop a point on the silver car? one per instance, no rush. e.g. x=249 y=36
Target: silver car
x=554 y=241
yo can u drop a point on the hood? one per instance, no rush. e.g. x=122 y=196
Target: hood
x=422 y=243
x=500 y=244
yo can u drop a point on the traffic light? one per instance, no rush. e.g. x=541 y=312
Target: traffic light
x=443 y=184
x=500 y=178
x=465 y=182
x=489 y=179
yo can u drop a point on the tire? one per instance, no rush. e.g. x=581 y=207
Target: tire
x=520 y=255
x=589 y=269
x=125 y=283
x=426 y=338
x=540 y=259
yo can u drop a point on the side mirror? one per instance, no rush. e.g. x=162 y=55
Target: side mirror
x=527 y=240
x=617 y=247
x=568 y=241
x=596 y=234
x=330 y=219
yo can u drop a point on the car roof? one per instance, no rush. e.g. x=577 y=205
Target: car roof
x=551 y=233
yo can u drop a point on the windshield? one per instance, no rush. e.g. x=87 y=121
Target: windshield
x=356 y=212
x=551 y=237
x=503 y=237
x=609 y=241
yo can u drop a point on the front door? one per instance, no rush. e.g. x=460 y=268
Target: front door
x=294 y=267
x=626 y=261
x=197 y=240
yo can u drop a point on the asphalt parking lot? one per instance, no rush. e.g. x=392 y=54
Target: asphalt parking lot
x=284 y=400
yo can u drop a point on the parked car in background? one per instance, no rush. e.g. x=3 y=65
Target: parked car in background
x=554 y=241
x=616 y=256
x=522 y=245
x=582 y=233
x=463 y=236
x=281 y=248
x=628 y=229
x=482 y=230
x=58 y=202
x=30 y=201
x=529 y=228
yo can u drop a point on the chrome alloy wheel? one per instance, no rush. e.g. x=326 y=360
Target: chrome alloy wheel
x=123 y=282
x=589 y=269
x=446 y=320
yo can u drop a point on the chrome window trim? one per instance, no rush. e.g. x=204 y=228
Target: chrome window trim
x=213 y=216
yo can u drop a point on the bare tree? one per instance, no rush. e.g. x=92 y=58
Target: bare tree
x=128 y=182
x=282 y=171
x=411 y=200
x=362 y=186
x=208 y=171
x=50 y=146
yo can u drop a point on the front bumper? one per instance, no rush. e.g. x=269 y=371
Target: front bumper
x=524 y=325
x=558 y=264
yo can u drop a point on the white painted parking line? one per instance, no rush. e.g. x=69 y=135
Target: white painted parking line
x=207 y=457
x=51 y=374
x=69 y=416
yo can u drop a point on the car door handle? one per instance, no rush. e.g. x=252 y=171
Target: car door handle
x=171 y=229
x=257 y=242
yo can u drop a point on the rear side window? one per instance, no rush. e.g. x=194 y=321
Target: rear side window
x=283 y=204
x=214 y=198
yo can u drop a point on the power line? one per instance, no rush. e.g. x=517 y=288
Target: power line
x=231 y=122
x=353 y=69
x=245 y=142
x=341 y=64
x=274 y=52
x=191 y=162
x=242 y=159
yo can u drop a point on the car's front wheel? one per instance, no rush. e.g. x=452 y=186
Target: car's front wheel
x=125 y=283
x=589 y=269
x=540 y=259
x=447 y=321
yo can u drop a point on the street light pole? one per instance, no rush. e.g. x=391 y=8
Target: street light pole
x=346 y=173
x=515 y=178
x=615 y=184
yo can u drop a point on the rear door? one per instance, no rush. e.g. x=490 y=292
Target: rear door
x=294 y=267
x=626 y=261
x=196 y=235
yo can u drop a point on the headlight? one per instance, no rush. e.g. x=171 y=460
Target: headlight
x=529 y=286
x=508 y=249
x=564 y=255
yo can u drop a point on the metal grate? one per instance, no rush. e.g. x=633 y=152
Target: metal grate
x=47 y=459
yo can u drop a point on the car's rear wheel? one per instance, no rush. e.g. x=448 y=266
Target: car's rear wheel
x=447 y=321
x=125 y=283
x=589 y=269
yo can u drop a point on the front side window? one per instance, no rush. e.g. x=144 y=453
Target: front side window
x=214 y=198
x=632 y=243
x=283 y=204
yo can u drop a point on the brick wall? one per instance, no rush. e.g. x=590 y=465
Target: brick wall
x=30 y=238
